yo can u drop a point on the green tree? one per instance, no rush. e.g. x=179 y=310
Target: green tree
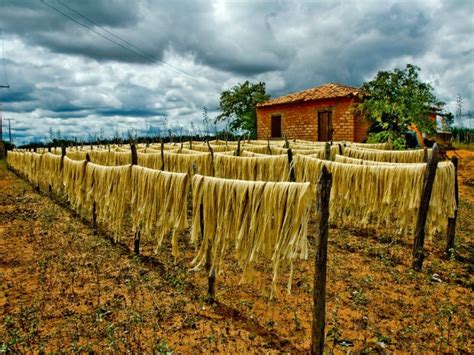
x=448 y=120
x=394 y=100
x=239 y=105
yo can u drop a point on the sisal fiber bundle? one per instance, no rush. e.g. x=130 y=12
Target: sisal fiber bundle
x=380 y=146
x=258 y=168
x=261 y=149
x=348 y=160
x=74 y=173
x=124 y=149
x=392 y=156
x=256 y=219
x=158 y=204
x=109 y=188
x=33 y=171
x=229 y=152
x=178 y=163
x=52 y=173
x=166 y=146
x=246 y=153
x=112 y=158
x=191 y=151
x=76 y=154
x=383 y=195
x=215 y=148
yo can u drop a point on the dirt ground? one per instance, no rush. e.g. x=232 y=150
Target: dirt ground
x=67 y=288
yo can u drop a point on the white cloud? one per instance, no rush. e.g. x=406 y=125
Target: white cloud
x=65 y=77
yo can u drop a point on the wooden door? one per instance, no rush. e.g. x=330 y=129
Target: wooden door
x=325 y=126
x=276 y=126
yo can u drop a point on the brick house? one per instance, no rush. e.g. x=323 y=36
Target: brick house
x=322 y=113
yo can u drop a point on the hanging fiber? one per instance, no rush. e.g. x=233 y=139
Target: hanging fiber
x=158 y=204
x=74 y=173
x=261 y=168
x=257 y=219
x=178 y=163
x=380 y=146
x=392 y=156
x=382 y=195
x=109 y=187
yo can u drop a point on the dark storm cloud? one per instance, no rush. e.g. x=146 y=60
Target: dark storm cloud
x=63 y=75
x=132 y=112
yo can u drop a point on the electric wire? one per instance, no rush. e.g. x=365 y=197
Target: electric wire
x=124 y=44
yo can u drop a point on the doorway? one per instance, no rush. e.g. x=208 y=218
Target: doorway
x=325 y=126
x=276 y=126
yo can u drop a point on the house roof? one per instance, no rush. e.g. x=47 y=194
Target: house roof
x=326 y=91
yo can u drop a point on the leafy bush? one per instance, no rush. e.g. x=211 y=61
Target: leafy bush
x=381 y=137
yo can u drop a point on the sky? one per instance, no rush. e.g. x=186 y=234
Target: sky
x=109 y=67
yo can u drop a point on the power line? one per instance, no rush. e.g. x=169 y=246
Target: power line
x=151 y=57
x=10 y=128
x=122 y=43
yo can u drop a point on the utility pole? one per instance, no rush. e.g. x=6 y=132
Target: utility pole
x=1 y=124
x=6 y=86
x=10 y=128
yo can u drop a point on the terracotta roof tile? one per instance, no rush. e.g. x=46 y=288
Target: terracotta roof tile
x=326 y=91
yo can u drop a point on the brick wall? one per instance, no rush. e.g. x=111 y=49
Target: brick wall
x=300 y=120
x=361 y=128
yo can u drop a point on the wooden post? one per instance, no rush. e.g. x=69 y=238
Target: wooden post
x=423 y=211
x=451 y=232
x=2 y=150
x=425 y=154
x=268 y=146
x=212 y=158
x=136 y=237
x=94 y=215
x=287 y=144
x=341 y=151
x=133 y=150
x=320 y=265
x=211 y=275
x=389 y=144
x=162 y=148
x=237 y=152
x=327 y=151
x=49 y=149
x=37 y=186
x=63 y=154
x=290 y=163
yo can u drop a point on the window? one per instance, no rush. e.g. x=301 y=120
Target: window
x=325 y=126
x=276 y=126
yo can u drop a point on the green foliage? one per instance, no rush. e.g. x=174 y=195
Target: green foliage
x=239 y=105
x=383 y=136
x=8 y=145
x=394 y=100
x=462 y=134
x=448 y=120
